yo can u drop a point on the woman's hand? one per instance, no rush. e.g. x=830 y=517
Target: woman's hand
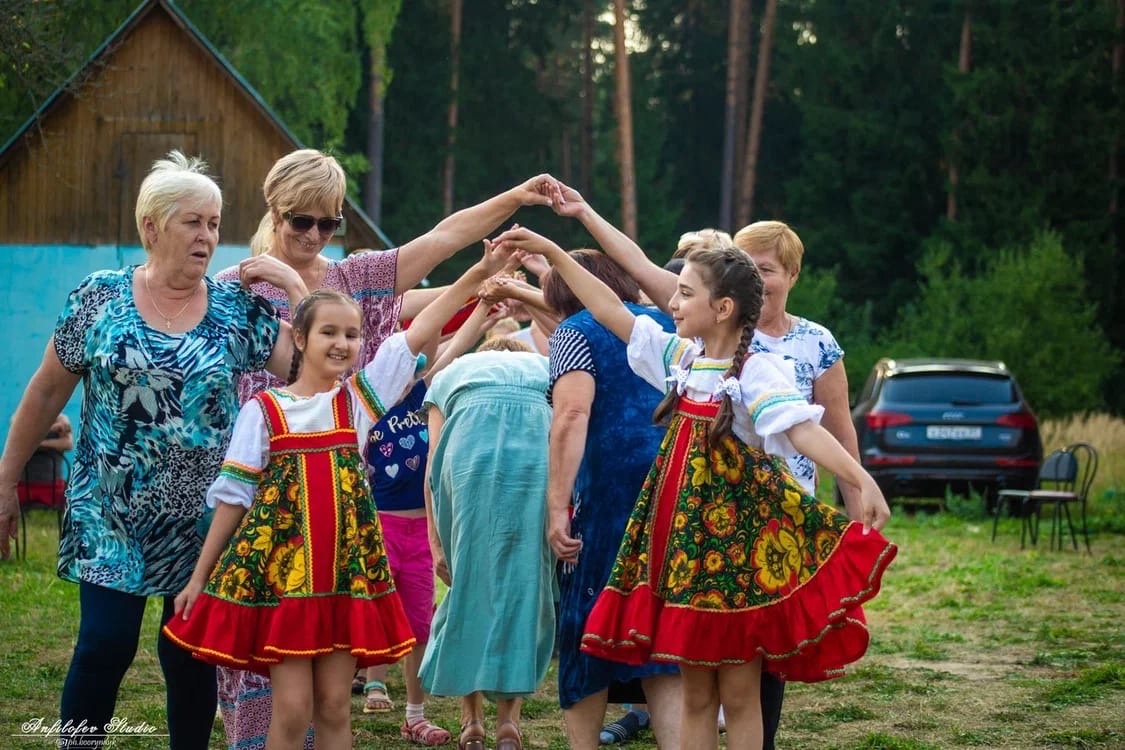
x=565 y=547
x=522 y=238
x=535 y=264
x=566 y=201
x=9 y=517
x=273 y=271
x=868 y=506
x=185 y=600
x=441 y=566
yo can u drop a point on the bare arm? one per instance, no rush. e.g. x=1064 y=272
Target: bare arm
x=225 y=521
x=414 y=300
x=658 y=284
x=467 y=335
x=47 y=393
x=428 y=323
x=496 y=289
x=602 y=302
x=815 y=442
x=281 y=358
x=435 y=423
x=463 y=228
x=573 y=395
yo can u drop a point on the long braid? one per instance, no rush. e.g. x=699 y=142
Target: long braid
x=724 y=419
x=295 y=366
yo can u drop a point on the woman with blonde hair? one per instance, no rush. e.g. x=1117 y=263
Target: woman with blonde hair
x=304 y=193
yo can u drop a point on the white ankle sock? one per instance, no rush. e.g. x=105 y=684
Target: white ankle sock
x=415 y=712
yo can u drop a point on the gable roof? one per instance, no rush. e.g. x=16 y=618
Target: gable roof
x=193 y=33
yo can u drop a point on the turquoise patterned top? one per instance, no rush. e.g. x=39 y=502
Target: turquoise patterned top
x=157 y=414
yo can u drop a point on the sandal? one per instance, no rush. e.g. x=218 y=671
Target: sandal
x=508 y=743
x=424 y=732
x=375 y=698
x=471 y=740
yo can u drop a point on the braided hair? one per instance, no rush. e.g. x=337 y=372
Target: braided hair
x=304 y=315
x=727 y=272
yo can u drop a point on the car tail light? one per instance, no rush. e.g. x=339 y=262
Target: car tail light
x=880 y=420
x=1022 y=463
x=1023 y=420
x=890 y=460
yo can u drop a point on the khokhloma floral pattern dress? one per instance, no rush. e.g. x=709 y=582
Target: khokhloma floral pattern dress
x=306 y=572
x=725 y=557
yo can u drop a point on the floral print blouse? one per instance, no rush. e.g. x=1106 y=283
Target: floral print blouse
x=157 y=415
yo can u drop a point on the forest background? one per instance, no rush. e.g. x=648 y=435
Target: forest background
x=954 y=167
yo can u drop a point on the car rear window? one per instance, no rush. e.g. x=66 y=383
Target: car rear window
x=950 y=388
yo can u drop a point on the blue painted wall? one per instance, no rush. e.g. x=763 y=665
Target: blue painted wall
x=34 y=283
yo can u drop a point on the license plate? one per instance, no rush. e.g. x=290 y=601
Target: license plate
x=952 y=432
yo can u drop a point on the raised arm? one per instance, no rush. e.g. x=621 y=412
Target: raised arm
x=658 y=284
x=428 y=323
x=602 y=302
x=463 y=228
x=500 y=288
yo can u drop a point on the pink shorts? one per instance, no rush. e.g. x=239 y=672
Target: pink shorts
x=412 y=567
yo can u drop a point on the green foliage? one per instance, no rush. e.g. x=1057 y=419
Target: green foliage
x=303 y=58
x=1028 y=307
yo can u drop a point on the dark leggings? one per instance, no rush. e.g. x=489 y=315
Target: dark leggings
x=108 y=633
x=772 y=692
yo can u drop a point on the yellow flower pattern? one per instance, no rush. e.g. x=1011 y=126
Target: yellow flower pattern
x=268 y=557
x=741 y=531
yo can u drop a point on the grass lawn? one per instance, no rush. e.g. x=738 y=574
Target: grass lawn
x=974 y=644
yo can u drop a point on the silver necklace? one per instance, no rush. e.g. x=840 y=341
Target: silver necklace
x=168 y=319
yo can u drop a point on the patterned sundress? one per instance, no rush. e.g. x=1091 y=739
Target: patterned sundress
x=306 y=572
x=726 y=557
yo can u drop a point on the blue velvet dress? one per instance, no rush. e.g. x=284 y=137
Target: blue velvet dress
x=621 y=443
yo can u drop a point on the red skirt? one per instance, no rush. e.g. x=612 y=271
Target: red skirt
x=726 y=559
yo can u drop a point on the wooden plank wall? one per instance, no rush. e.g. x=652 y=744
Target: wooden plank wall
x=73 y=179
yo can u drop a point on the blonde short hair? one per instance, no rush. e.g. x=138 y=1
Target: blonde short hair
x=172 y=180
x=770 y=236
x=305 y=177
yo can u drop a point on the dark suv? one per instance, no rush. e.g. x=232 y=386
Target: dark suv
x=926 y=425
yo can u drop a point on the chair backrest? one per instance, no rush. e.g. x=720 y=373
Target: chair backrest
x=1086 y=460
x=1059 y=470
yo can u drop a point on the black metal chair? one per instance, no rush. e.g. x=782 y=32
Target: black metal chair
x=43 y=488
x=1085 y=459
x=1057 y=473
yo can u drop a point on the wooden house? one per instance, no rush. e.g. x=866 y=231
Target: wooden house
x=69 y=176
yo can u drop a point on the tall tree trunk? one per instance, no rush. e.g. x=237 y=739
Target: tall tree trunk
x=734 y=119
x=1115 y=82
x=761 y=80
x=378 y=24
x=586 y=137
x=624 y=108
x=454 y=87
x=964 y=64
x=373 y=184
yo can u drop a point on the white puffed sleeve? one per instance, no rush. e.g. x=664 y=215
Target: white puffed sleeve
x=246 y=458
x=654 y=353
x=772 y=401
x=382 y=382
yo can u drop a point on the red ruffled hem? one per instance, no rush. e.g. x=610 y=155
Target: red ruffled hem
x=253 y=638
x=808 y=636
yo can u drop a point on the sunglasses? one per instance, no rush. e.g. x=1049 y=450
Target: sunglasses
x=304 y=222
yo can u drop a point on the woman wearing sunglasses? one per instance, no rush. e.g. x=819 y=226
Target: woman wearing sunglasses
x=304 y=194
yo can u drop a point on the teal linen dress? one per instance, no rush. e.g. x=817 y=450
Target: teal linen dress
x=494 y=630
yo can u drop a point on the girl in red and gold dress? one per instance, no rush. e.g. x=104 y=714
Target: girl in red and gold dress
x=293 y=579
x=727 y=565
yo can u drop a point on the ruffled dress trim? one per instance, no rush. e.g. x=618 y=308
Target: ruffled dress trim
x=725 y=559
